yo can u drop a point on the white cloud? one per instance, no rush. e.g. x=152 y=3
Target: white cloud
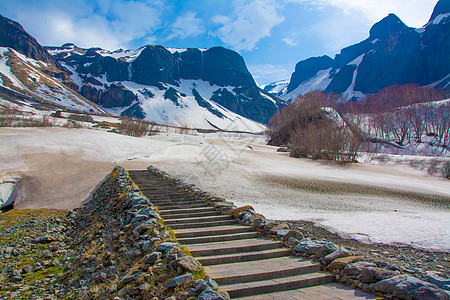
x=106 y=24
x=290 y=42
x=253 y=21
x=186 y=25
x=414 y=13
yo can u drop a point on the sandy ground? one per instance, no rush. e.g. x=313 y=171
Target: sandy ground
x=373 y=203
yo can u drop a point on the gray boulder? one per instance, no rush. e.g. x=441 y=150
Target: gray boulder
x=341 y=252
x=179 y=280
x=188 y=263
x=388 y=285
x=407 y=288
x=209 y=294
x=356 y=268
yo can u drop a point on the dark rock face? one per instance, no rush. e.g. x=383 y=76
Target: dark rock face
x=155 y=64
x=442 y=7
x=224 y=67
x=134 y=111
x=393 y=54
x=116 y=96
x=13 y=35
x=307 y=69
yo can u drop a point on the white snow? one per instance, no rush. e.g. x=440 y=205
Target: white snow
x=375 y=41
x=440 y=17
x=173 y=50
x=189 y=113
x=434 y=84
x=319 y=82
x=255 y=175
x=278 y=86
x=350 y=92
x=127 y=55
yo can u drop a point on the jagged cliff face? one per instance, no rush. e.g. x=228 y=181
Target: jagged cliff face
x=136 y=82
x=393 y=54
x=12 y=35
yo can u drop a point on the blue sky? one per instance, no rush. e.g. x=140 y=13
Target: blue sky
x=272 y=36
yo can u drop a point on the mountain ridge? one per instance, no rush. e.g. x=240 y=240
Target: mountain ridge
x=200 y=88
x=392 y=54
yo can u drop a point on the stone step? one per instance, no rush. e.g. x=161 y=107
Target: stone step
x=239 y=257
x=278 y=284
x=202 y=225
x=165 y=195
x=168 y=221
x=318 y=292
x=260 y=270
x=183 y=206
x=217 y=238
x=191 y=215
x=174 y=202
x=211 y=231
x=230 y=247
x=181 y=211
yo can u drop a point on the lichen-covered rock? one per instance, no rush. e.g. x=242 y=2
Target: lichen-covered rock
x=340 y=263
x=430 y=293
x=293 y=233
x=209 y=294
x=354 y=269
x=309 y=246
x=388 y=285
x=407 y=288
x=326 y=249
x=373 y=274
x=237 y=211
x=185 y=278
x=189 y=264
x=341 y=252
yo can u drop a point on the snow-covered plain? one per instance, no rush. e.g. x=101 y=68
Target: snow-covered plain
x=372 y=203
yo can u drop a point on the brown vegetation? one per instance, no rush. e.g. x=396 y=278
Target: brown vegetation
x=304 y=126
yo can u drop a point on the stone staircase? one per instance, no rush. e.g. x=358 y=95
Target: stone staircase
x=233 y=255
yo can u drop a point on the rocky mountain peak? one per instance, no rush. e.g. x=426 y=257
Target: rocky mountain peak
x=442 y=7
x=388 y=26
x=13 y=35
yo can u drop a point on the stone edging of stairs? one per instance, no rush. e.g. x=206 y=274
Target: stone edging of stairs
x=348 y=267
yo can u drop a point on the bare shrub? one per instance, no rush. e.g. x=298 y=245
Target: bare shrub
x=132 y=127
x=305 y=109
x=326 y=140
x=73 y=124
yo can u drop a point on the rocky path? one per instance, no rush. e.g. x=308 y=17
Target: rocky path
x=241 y=262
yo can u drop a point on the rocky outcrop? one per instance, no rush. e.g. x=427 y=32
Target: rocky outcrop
x=308 y=68
x=116 y=95
x=13 y=35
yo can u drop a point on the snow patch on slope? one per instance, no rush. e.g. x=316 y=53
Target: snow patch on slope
x=350 y=92
x=187 y=112
x=318 y=82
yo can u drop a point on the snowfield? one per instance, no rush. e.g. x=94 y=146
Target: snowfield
x=372 y=203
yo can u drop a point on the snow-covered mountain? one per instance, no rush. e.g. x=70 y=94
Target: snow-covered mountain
x=28 y=72
x=276 y=88
x=206 y=88
x=392 y=54
x=197 y=88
